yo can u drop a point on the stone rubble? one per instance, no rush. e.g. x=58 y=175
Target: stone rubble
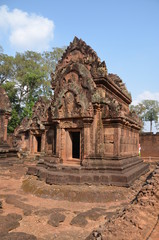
x=137 y=220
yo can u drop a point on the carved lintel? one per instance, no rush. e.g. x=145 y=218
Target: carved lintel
x=71 y=124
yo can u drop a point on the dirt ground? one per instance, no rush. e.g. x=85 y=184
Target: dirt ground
x=32 y=209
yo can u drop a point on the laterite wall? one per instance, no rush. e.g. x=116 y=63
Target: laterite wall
x=149 y=145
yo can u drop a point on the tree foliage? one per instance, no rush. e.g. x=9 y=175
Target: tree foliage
x=147 y=110
x=25 y=77
x=6 y=67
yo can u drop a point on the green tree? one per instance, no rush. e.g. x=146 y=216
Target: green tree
x=29 y=75
x=147 y=110
x=151 y=111
x=25 y=77
x=16 y=108
x=14 y=122
x=50 y=60
x=6 y=67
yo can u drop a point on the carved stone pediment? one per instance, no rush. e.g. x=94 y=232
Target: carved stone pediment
x=40 y=108
x=35 y=123
x=71 y=124
x=72 y=101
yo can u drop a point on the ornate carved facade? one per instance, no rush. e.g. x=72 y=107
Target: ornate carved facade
x=88 y=122
x=30 y=135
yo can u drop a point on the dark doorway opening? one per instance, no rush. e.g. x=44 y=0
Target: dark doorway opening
x=38 y=139
x=75 y=144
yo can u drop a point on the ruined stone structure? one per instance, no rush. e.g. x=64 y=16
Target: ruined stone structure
x=149 y=146
x=87 y=123
x=30 y=136
x=5 y=114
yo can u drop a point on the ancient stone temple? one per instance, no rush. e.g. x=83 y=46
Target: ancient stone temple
x=87 y=129
x=5 y=114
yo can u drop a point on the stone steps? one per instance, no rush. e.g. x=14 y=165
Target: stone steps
x=79 y=175
x=5 y=162
x=51 y=166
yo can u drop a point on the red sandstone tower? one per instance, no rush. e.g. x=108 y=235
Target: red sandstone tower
x=88 y=124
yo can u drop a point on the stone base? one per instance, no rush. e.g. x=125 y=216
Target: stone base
x=8 y=156
x=53 y=173
x=8 y=153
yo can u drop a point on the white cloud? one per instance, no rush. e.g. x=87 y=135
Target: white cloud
x=26 y=31
x=146 y=95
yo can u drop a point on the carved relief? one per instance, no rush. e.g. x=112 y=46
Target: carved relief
x=40 y=108
x=71 y=124
x=72 y=101
x=35 y=123
x=70 y=108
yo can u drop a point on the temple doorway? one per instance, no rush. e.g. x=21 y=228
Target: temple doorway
x=72 y=150
x=75 y=137
x=38 y=139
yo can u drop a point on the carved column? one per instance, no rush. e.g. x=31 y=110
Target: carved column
x=94 y=129
x=97 y=130
x=32 y=143
x=58 y=145
x=63 y=145
x=86 y=138
x=2 y=128
x=43 y=139
x=5 y=128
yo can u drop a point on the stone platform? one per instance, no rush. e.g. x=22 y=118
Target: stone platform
x=8 y=155
x=53 y=173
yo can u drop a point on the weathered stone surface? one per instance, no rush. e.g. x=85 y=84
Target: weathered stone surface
x=18 y=236
x=67 y=199
x=81 y=219
x=9 y=222
x=33 y=126
x=16 y=201
x=56 y=218
x=86 y=175
x=5 y=114
x=47 y=212
x=4 y=101
x=137 y=220
x=149 y=143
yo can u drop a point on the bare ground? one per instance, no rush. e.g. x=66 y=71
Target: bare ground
x=32 y=209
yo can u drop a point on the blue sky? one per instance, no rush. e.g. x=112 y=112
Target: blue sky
x=124 y=33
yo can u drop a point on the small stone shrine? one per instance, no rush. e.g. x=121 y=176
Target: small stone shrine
x=30 y=135
x=87 y=133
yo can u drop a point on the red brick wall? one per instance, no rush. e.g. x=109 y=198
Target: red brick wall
x=149 y=144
